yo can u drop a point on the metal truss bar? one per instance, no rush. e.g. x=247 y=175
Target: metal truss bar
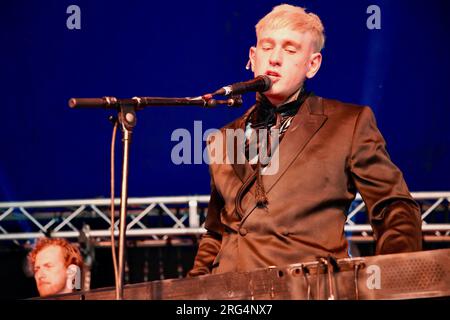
x=152 y=243
x=190 y=218
x=106 y=233
x=436 y=238
x=155 y=237
x=152 y=232
x=425 y=227
x=101 y=214
x=49 y=224
x=143 y=226
x=173 y=200
x=160 y=232
x=183 y=219
x=194 y=219
x=434 y=206
x=354 y=212
x=140 y=216
x=6 y=213
x=430 y=195
x=170 y=214
x=3 y=230
x=72 y=226
x=139 y=223
x=358 y=228
x=436 y=227
x=6 y=232
x=67 y=220
x=29 y=216
x=104 y=202
x=368 y=239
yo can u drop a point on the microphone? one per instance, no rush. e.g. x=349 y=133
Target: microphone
x=259 y=84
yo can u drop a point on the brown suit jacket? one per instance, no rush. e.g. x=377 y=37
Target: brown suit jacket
x=330 y=151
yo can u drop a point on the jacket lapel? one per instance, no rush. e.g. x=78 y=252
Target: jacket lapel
x=243 y=170
x=304 y=126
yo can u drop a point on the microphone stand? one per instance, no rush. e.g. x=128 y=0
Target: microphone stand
x=127 y=119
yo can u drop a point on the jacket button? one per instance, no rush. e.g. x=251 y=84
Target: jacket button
x=243 y=231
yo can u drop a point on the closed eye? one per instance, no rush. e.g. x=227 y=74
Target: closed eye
x=291 y=50
x=266 y=44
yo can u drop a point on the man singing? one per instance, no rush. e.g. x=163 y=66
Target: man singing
x=327 y=152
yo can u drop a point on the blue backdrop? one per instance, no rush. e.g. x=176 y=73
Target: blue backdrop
x=186 y=48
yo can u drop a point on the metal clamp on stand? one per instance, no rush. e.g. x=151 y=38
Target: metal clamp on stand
x=358 y=264
x=331 y=266
x=305 y=272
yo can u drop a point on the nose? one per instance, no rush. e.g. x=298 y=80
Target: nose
x=40 y=275
x=276 y=58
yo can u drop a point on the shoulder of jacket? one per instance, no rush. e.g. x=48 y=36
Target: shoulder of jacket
x=332 y=106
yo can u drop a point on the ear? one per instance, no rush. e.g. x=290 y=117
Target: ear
x=314 y=64
x=252 y=56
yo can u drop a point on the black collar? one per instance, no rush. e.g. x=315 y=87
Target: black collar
x=265 y=114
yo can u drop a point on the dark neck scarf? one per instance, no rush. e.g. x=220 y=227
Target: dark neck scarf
x=265 y=116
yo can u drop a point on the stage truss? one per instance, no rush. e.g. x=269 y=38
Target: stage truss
x=179 y=219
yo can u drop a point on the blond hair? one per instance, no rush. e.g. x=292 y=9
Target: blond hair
x=296 y=18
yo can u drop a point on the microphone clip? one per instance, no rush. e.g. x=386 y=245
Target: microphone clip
x=232 y=101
